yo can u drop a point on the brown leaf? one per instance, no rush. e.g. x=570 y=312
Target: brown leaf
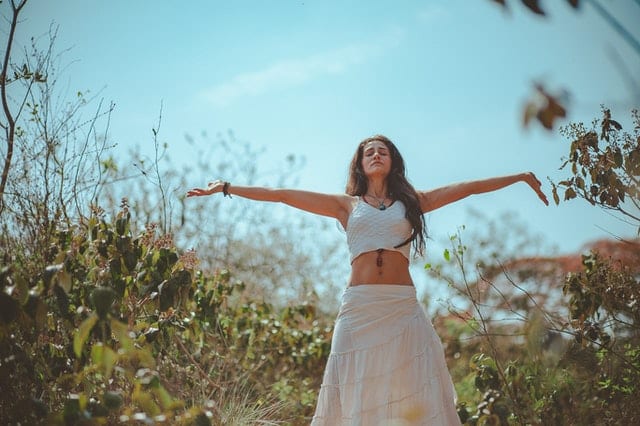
x=569 y=194
x=533 y=6
x=551 y=111
x=574 y=3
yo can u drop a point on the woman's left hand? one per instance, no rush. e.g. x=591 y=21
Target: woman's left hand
x=212 y=188
x=536 y=185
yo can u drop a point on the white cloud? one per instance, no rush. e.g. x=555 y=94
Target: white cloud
x=295 y=72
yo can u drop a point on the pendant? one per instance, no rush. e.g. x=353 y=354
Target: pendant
x=382 y=207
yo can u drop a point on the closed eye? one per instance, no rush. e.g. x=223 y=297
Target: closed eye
x=372 y=152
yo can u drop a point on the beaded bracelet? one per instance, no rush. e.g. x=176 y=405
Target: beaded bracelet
x=225 y=189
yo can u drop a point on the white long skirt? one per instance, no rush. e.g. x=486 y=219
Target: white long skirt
x=386 y=365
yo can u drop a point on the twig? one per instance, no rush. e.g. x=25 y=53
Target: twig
x=195 y=363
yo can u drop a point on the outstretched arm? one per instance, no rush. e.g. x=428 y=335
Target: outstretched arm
x=337 y=206
x=436 y=198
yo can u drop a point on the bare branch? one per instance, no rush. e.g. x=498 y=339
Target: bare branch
x=11 y=124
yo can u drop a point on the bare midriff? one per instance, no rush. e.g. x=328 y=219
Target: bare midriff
x=380 y=267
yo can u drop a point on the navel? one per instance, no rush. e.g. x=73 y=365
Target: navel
x=379 y=261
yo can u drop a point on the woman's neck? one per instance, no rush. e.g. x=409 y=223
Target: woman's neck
x=377 y=188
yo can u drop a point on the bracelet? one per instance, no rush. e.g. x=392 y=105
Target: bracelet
x=225 y=189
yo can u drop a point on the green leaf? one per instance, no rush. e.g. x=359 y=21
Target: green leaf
x=146 y=402
x=105 y=357
x=447 y=255
x=102 y=298
x=163 y=396
x=112 y=400
x=82 y=333
x=121 y=331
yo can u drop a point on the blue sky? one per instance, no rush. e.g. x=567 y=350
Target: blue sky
x=446 y=80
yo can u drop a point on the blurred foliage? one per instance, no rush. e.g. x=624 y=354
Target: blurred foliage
x=551 y=339
x=260 y=242
x=535 y=7
x=591 y=376
x=122 y=326
x=529 y=363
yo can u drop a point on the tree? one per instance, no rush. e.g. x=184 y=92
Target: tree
x=53 y=161
x=9 y=126
x=604 y=162
x=558 y=338
x=261 y=244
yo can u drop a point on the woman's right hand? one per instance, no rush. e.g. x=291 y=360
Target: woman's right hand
x=536 y=185
x=212 y=188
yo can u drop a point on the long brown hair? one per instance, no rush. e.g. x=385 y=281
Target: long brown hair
x=398 y=187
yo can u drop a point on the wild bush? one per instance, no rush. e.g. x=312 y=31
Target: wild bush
x=122 y=326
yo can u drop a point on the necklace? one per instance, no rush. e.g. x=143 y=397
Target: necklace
x=381 y=205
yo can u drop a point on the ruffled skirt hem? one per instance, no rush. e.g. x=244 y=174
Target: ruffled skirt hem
x=386 y=366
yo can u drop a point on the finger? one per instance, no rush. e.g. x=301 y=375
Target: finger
x=543 y=197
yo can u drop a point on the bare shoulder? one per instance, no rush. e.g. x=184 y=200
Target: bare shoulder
x=429 y=199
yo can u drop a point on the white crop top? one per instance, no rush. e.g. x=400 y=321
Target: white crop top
x=370 y=229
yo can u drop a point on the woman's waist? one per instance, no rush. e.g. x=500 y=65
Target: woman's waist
x=380 y=267
x=379 y=300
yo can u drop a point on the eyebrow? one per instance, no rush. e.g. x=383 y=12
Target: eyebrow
x=382 y=148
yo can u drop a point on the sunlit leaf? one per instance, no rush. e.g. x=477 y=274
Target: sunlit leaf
x=121 y=331
x=163 y=396
x=145 y=400
x=105 y=357
x=82 y=333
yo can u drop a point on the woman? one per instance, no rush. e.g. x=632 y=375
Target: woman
x=386 y=364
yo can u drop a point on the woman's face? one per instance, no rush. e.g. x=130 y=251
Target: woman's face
x=376 y=159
